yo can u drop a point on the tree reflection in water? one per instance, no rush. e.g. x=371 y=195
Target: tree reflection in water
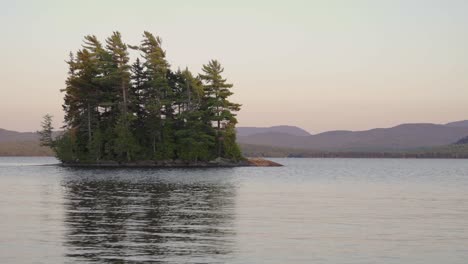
x=136 y=217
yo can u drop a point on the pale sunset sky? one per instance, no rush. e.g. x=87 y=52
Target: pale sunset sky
x=321 y=65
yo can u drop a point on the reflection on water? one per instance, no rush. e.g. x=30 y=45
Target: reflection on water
x=309 y=211
x=150 y=219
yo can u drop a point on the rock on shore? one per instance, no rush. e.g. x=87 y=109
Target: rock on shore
x=259 y=162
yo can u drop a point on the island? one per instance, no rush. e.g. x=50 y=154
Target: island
x=141 y=113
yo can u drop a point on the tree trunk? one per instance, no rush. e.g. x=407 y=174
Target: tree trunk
x=189 y=105
x=218 y=133
x=124 y=94
x=89 y=123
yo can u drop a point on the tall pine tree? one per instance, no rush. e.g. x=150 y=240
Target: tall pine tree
x=221 y=110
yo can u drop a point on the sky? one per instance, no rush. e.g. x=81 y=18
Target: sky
x=321 y=65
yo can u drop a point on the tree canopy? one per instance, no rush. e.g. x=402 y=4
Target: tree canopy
x=122 y=111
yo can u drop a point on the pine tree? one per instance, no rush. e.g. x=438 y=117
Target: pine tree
x=120 y=71
x=139 y=80
x=120 y=74
x=45 y=134
x=217 y=92
x=124 y=144
x=158 y=100
x=81 y=98
x=65 y=147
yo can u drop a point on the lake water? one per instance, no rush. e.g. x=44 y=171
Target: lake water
x=310 y=211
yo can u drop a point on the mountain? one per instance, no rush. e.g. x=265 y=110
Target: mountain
x=463 y=123
x=402 y=137
x=291 y=130
x=462 y=141
x=10 y=136
x=14 y=136
x=13 y=143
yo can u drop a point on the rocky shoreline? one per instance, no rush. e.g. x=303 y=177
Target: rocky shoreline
x=217 y=163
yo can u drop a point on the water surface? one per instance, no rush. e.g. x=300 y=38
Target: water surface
x=310 y=211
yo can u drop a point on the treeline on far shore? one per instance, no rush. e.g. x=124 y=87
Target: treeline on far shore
x=32 y=148
x=24 y=148
x=459 y=151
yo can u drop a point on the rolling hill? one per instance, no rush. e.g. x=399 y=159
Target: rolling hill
x=13 y=143
x=463 y=123
x=291 y=130
x=12 y=136
x=401 y=137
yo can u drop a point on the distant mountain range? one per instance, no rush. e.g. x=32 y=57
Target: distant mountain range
x=12 y=136
x=401 y=137
x=290 y=130
x=14 y=143
x=398 y=138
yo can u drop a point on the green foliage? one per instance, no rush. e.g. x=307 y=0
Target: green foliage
x=122 y=112
x=65 y=147
x=231 y=149
x=195 y=140
x=45 y=134
x=125 y=145
x=95 y=146
x=219 y=109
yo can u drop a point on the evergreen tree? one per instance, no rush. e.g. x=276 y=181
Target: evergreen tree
x=221 y=109
x=120 y=71
x=195 y=135
x=81 y=98
x=124 y=144
x=120 y=74
x=231 y=149
x=45 y=134
x=65 y=147
x=96 y=146
x=139 y=81
x=158 y=101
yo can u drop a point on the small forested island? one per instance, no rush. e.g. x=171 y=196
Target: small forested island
x=119 y=113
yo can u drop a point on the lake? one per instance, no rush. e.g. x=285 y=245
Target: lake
x=309 y=211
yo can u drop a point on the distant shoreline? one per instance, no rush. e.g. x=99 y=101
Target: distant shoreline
x=383 y=156
x=454 y=151
x=319 y=156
